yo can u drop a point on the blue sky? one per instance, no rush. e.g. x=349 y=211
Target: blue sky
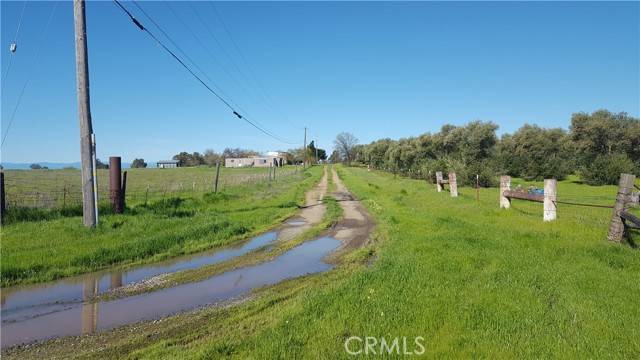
x=373 y=69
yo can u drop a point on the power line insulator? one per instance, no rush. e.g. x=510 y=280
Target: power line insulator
x=13 y=47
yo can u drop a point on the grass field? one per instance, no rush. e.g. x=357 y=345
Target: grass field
x=473 y=280
x=35 y=251
x=58 y=188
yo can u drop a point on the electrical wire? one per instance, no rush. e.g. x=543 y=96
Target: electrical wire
x=29 y=76
x=264 y=93
x=223 y=100
x=15 y=39
x=175 y=14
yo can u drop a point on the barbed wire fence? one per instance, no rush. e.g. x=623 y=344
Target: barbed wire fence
x=34 y=193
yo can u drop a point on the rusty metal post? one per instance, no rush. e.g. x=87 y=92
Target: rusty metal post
x=115 y=184
x=625 y=188
x=3 y=205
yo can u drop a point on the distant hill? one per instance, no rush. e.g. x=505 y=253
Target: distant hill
x=55 y=165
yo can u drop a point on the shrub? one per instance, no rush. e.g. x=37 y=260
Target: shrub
x=606 y=169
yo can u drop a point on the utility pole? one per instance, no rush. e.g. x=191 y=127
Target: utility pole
x=304 y=163
x=89 y=214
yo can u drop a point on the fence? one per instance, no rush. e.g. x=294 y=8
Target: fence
x=62 y=192
x=622 y=220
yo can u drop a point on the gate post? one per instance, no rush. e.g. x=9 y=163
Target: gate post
x=625 y=187
x=505 y=185
x=438 y=181
x=550 y=206
x=453 y=185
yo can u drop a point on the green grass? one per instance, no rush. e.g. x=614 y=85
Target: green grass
x=62 y=188
x=44 y=250
x=473 y=280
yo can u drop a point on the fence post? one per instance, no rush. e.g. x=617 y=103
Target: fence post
x=215 y=186
x=146 y=195
x=115 y=184
x=477 y=188
x=550 y=206
x=505 y=185
x=64 y=196
x=625 y=187
x=438 y=180
x=123 y=195
x=3 y=207
x=274 y=173
x=453 y=185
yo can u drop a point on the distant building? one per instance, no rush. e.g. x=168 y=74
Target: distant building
x=166 y=164
x=255 y=161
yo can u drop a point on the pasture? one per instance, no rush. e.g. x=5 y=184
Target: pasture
x=471 y=279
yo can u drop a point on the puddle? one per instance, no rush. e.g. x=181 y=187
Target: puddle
x=40 y=299
x=78 y=318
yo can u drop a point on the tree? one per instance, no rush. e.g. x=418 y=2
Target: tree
x=535 y=153
x=35 y=166
x=186 y=159
x=211 y=157
x=101 y=165
x=138 y=163
x=238 y=153
x=344 y=145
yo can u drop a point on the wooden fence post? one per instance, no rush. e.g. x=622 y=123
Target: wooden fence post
x=438 y=181
x=453 y=185
x=550 y=206
x=505 y=185
x=625 y=187
x=3 y=207
x=215 y=187
x=123 y=196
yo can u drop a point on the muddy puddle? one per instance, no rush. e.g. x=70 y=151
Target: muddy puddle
x=34 y=300
x=83 y=318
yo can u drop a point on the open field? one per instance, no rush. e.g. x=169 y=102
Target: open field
x=471 y=279
x=62 y=188
x=43 y=250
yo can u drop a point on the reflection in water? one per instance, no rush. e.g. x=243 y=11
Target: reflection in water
x=301 y=260
x=89 y=310
x=24 y=302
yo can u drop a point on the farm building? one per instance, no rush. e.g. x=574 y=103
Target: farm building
x=165 y=164
x=255 y=161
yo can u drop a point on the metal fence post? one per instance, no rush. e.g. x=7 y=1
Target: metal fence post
x=115 y=184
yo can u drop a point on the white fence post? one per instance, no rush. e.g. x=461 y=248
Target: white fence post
x=550 y=206
x=438 y=181
x=505 y=185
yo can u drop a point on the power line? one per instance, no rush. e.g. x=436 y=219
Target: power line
x=175 y=14
x=264 y=93
x=225 y=102
x=29 y=76
x=13 y=45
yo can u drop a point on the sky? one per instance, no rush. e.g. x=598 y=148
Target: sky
x=373 y=69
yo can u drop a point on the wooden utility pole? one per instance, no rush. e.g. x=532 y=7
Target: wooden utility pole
x=304 y=161
x=89 y=214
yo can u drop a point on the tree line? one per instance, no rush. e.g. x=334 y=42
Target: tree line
x=597 y=147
